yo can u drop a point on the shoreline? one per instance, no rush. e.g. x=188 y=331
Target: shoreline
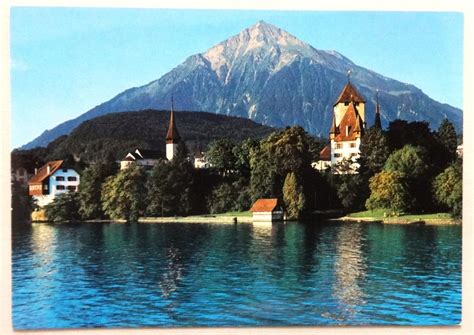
x=400 y=220
x=234 y=219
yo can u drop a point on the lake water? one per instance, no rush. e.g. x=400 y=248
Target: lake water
x=173 y=275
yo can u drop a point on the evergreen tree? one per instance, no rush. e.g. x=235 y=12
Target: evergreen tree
x=374 y=151
x=123 y=195
x=447 y=137
x=293 y=197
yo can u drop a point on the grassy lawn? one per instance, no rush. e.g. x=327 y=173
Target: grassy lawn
x=246 y=213
x=378 y=214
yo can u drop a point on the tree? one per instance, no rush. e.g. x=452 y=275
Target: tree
x=410 y=160
x=374 y=151
x=221 y=199
x=388 y=190
x=447 y=137
x=91 y=187
x=414 y=164
x=22 y=203
x=123 y=195
x=242 y=153
x=293 y=197
x=169 y=188
x=280 y=153
x=65 y=207
x=352 y=190
x=221 y=157
x=447 y=188
x=230 y=197
x=418 y=134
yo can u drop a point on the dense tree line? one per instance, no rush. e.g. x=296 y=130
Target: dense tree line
x=407 y=168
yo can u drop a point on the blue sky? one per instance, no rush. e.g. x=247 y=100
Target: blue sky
x=64 y=61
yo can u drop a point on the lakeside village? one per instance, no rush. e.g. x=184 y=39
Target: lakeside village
x=289 y=175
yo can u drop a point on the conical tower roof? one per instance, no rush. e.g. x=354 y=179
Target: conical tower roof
x=349 y=94
x=378 y=121
x=172 y=135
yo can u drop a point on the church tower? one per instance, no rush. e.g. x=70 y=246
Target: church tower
x=377 y=122
x=172 y=136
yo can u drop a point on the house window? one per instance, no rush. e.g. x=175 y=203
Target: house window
x=60 y=187
x=64 y=170
x=71 y=188
x=348 y=129
x=357 y=104
x=60 y=178
x=338 y=145
x=353 y=145
x=71 y=178
x=45 y=187
x=337 y=155
x=346 y=103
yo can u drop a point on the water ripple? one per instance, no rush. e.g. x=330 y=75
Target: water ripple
x=177 y=275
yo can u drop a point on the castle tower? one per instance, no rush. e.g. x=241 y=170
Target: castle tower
x=172 y=136
x=348 y=94
x=348 y=126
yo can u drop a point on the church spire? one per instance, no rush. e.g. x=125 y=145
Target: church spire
x=172 y=135
x=377 y=122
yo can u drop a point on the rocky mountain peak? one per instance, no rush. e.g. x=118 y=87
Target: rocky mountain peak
x=266 y=74
x=262 y=42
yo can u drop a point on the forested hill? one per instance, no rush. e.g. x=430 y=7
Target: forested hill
x=117 y=133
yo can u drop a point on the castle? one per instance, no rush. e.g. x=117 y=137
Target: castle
x=347 y=128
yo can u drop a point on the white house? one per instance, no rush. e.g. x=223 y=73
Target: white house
x=142 y=157
x=52 y=179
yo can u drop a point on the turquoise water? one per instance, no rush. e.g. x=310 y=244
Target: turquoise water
x=174 y=275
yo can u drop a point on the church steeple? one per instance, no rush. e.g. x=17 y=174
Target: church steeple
x=377 y=122
x=172 y=135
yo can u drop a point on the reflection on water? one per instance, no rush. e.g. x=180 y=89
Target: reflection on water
x=350 y=268
x=130 y=275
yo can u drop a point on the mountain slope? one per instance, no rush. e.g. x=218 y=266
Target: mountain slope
x=271 y=77
x=118 y=133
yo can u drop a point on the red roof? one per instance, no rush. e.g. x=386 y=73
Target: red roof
x=264 y=205
x=348 y=94
x=42 y=173
x=172 y=136
x=352 y=120
x=325 y=154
